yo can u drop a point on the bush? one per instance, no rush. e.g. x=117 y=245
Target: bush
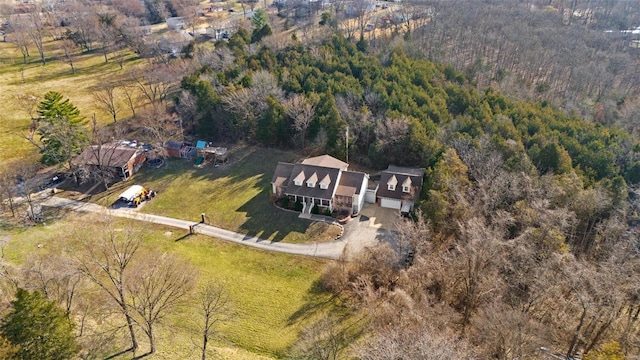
x=298 y=206
x=285 y=202
x=327 y=212
x=315 y=209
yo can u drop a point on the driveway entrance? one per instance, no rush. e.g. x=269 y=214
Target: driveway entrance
x=373 y=226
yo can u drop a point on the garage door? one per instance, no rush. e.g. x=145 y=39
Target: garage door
x=390 y=203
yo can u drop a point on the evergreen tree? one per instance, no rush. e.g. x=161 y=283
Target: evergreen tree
x=38 y=328
x=60 y=129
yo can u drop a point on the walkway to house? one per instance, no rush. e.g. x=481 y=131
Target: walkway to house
x=328 y=250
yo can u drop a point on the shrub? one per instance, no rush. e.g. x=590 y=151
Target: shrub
x=315 y=209
x=298 y=206
x=285 y=202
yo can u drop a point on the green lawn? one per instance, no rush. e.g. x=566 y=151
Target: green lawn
x=234 y=196
x=274 y=295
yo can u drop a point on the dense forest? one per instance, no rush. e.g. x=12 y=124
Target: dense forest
x=524 y=115
x=527 y=234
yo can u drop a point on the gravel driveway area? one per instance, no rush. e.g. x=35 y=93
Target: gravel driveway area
x=373 y=226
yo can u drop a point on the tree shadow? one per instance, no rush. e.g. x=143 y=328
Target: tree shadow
x=315 y=301
x=116 y=355
x=268 y=222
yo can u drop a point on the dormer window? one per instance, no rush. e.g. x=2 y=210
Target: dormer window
x=324 y=183
x=406 y=185
x=391 y=184
x=311 y=182
x=299 y=179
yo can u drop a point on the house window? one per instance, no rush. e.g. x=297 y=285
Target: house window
x=311 y=184
x=405 y=188
x=324 y=186
x=297 y=182
x=391 y=187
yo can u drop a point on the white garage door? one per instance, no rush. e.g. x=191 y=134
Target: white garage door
x=390 y=203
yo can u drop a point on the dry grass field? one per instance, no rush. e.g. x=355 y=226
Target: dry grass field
x=33 y=78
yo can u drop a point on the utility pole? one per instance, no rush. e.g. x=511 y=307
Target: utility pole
x=347 y=143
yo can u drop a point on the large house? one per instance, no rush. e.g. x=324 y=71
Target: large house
x=400 y=187
x=323 y=181
x=120 y=161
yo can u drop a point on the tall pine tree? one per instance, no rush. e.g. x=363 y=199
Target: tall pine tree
x=38 y=328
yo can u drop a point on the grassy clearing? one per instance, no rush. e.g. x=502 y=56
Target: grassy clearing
x=234 y=196
x=34 y=78
x=274 y=295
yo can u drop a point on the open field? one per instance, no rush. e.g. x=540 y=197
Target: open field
x=34 y=78
x=274 y=295
x=234 y=196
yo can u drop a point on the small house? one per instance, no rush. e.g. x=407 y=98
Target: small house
x=122 y=161
x=400 y=187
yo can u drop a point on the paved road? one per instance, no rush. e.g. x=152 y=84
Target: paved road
x=328 y=250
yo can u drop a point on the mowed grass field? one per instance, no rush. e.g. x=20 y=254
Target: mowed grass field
x=274 y=296
x=35 y=79
x=234 y=196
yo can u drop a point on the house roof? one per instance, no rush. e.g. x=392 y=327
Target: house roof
x=173 y=145
x=350 y=183
x=406 y=176
x=405 y=170
x=282 y=173
x=308 y=171
x=108 y=155
x=326 y=161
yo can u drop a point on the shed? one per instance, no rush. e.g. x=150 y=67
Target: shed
x=173 y=148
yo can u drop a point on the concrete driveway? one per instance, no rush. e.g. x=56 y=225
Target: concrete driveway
x=373 y=226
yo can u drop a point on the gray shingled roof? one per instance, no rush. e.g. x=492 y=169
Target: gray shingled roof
x=401 y=174
x=282 y=173
x=105 y=155
x=315 y=191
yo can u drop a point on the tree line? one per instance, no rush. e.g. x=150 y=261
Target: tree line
x=97 y=294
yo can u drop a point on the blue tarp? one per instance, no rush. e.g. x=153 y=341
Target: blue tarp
x=201 y=144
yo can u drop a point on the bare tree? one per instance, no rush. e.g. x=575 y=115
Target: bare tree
x=37 y=29
x=20 y=35
x=68 y=47
x=413 y=343
x=214 y=307
x=29 y=104
x=323 y=340
x=131 y=97
x=106 y=260
x=55 y=276
x=156 y=83
x=105 y=99
x=26 y=174
x=158 y=126
x=161 y=282
x=9 y=186
x=302 y=111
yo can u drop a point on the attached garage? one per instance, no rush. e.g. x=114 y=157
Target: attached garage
x=390 y=203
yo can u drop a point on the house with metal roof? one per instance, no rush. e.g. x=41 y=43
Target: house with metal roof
x=323 y=181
